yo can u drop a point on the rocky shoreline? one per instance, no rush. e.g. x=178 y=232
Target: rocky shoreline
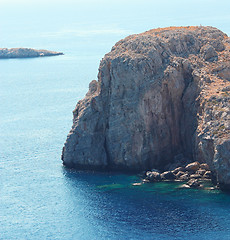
x=192 y=175
x=26 y=53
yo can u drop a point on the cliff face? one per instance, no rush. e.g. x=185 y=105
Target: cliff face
x=161 y=97
x=26 y=53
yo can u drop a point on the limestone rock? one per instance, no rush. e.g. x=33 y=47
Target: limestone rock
x=25 y=53
x=158 y=95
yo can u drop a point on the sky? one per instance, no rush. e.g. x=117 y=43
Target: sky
x=118 y=18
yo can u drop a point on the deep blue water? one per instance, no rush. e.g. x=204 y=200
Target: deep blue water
x=39 y=199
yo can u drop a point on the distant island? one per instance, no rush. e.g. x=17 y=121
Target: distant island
x=26 y=53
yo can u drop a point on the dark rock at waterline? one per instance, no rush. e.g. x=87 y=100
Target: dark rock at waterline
x=26 y=53
x=159 y=94
x=207 y=174
x=193 y=183
x=184 y=177
x=153 y=176
x=168 y=175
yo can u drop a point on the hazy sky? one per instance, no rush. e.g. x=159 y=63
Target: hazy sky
x=80 y=18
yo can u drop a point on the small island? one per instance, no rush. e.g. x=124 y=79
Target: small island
x=26 y=53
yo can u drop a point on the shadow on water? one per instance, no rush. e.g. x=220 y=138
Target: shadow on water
x=160 y=209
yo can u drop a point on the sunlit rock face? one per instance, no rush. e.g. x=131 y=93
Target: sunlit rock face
x=161 y=97
x=25 y=53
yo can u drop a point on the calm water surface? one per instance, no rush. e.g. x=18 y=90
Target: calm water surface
x=39 y=199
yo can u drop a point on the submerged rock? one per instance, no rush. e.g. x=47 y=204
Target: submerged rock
x=26 y=53
x=159 y=94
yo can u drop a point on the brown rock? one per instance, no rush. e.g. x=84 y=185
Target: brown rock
x=201 y=172
x=193 y=166
x=204 y=166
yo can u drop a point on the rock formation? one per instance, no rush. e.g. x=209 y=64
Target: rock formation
x=161 y=100
x=195 y=175
x=26 y=53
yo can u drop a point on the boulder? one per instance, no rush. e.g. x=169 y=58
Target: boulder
x=168 y=175
x=204 y=166
x=193 y=183
x=179 y=174
x=153 y=176
x=195 y=176
x=192 y=167
x=184 y=177
x=179 y=169
x=201 y=172
x=208 y=52
x=208 y=174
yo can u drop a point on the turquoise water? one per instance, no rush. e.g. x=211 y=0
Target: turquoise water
x=39 y=199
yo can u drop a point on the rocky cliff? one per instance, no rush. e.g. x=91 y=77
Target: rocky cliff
x=162 y=98
x=26 y=53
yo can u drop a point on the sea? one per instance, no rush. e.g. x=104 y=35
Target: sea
x=41 y=199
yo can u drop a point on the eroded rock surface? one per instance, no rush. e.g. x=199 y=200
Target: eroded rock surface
x=162 y=99
x=26 y=53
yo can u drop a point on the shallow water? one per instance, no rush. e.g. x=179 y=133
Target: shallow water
x=39 y=199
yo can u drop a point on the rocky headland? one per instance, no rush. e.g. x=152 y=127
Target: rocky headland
x=26 y=53
x=162 y=101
